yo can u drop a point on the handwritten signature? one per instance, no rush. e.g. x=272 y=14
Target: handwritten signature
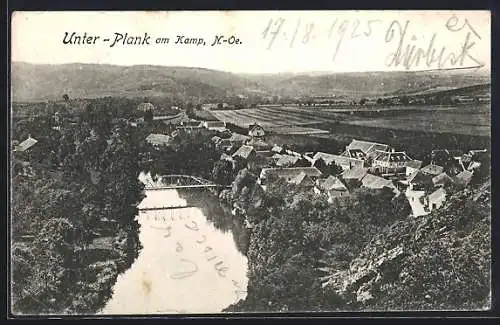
x=410 y=56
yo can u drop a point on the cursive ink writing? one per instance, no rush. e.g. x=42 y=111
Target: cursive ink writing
x=410 y=56
x=195 y=227
x=185 y=274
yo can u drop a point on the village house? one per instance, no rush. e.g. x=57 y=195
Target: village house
x=436 y=199
x=255 y=130
x=288 y=174
x=238 y=140
x=190 y=126
x=354 y=153
x=377 y=182
x=287 y=161
x=303 y=181
x=332 y=186
x=432 y=169
x=355 y=173
x=144 y=107
x=26 y=145
x=244 y=155
x=158 y=140
x=412 y=166
x=370 y=149
x=442 y=180
x=343 y=161
x=463 y=179
x=218 y=126
x=419 y=181
x=258 y=144
x=391 y=162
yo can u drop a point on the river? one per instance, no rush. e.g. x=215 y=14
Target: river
x=192 y=258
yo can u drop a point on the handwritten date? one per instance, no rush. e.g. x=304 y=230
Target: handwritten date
x=337 y=32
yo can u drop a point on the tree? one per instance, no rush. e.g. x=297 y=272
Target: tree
x=379 y=101
x=66 y=97
x=223 y=172
x=403 y=100
x=220 y=106
x=362 y=101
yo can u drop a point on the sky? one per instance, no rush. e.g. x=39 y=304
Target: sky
x=305 y=41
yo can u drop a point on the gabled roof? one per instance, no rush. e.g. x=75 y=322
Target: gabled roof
x=357 y=172
x=414 y=164
x=290 y=173
x=366 y=146
x=258 y=143
x=251 y=127
x=432 y=169
x=376 y=182
x=399 y=156
x=244 y=151
x=302 y=180
x=354 y=153
x=464 y=177
x=437 y=194
x=332 y=183
x=419 y=178
x=192 y=123
x=442 y=179
x=158 y=139
x=26 y=144
x=339 y=160
x=236 y=137
x=287 y=160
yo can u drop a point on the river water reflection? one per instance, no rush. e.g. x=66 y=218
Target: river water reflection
x=192 y=260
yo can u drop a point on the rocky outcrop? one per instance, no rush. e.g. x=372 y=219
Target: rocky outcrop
x=437 y=261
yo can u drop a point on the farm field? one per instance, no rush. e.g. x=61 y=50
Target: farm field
x=462 y=119
x=273 y=117
x=456 y=122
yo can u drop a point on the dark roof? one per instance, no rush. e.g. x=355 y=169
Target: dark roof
x=244 y=152
x=442 y=179
x=392 y=156
x=354 y=153
x=419 y=178
x=414 y=164
x=432 y=169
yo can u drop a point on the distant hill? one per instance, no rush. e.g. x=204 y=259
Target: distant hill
x=32 y=82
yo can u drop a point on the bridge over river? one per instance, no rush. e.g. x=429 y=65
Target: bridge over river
x=165 y=182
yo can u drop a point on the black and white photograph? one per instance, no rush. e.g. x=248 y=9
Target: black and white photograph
x=228 y=162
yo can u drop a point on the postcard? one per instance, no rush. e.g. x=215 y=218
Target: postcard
x=221 y=162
